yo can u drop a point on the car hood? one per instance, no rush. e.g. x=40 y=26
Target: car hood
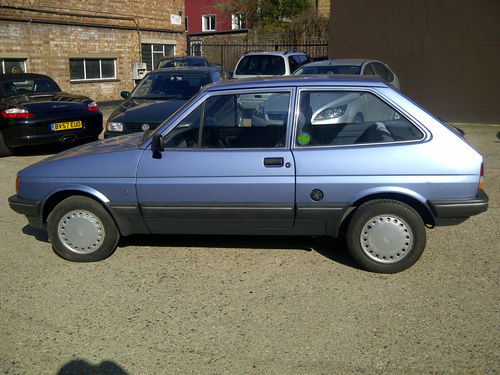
x=146 y=110
x=48 y=101
x=116 y=157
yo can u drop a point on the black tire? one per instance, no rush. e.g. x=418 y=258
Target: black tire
x=385 y=236
x=81 y=230
x=4 y=149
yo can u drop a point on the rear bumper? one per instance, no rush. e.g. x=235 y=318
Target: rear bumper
x=24 y=133
x=450 y=210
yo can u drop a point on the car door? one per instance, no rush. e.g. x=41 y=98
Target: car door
x=220 y=172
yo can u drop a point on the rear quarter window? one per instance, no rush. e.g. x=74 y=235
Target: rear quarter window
x=335 y=118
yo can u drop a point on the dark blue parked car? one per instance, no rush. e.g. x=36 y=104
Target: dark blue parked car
x=157 y=96
x=329 y=156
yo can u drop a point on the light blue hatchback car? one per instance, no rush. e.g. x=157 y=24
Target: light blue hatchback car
x=320 y=156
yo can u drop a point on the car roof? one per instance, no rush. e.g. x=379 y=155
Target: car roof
x=339 y=62
x=300 y=81
x=187 y=69
x=183 y=58
x=276 y=53
x=17 y=76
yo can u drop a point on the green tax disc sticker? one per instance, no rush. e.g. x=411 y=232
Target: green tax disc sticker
x=304 y=138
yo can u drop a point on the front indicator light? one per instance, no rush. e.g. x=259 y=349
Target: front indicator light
x=18 y=181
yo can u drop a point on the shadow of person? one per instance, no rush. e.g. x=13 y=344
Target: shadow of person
x=81 y=367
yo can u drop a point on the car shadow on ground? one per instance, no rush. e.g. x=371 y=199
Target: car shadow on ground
x=331 y=248
x=39 y=234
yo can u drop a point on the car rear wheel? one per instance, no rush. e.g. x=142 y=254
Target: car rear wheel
x=385 y=236
x=81 y=230
x=4 y=150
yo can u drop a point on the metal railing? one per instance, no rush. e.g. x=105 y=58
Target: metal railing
x=226 y=55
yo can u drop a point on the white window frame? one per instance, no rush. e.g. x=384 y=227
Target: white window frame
x=208 y=17
x=199 y=45
x=153 y=52
x=22 y=62
x=237 y=21
x=101 y=78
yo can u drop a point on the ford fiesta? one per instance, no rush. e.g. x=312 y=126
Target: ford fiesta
x=331 y=156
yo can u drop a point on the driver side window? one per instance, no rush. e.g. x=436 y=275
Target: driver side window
x=257 y=120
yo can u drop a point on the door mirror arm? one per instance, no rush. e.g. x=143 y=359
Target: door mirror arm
x=157 y=146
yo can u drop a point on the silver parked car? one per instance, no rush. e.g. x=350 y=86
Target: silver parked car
x=362 y=67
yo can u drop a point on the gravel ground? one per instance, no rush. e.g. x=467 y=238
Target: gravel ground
x=251 y=305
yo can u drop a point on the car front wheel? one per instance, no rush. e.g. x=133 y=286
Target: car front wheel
x=385 y=236
x=81 y=230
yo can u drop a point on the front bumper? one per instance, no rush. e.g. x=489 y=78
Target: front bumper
x=30 y=208
x=450 y=210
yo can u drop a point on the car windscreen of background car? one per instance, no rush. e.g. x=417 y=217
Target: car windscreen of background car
x=28 y=86
x=329 y=69
x=261 y=65
x=170 y=86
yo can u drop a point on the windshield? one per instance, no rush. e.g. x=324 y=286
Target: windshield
x=261 y=65
x=170 y=85
x=328 y=69
x=28 y=86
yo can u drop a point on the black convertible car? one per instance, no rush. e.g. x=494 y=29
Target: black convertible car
x=34 y=111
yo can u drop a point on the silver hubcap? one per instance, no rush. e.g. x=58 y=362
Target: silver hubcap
x=386 y=239
x=81 y=231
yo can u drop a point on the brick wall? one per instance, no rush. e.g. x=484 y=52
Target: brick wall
x=111 y=28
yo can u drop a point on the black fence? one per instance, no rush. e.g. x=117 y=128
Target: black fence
x=227 y=55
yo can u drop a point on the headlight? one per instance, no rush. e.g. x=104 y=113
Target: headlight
x=114 y=126
x=331 y=112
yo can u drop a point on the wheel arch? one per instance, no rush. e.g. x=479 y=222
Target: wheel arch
x=57 y=197
x=421 y=208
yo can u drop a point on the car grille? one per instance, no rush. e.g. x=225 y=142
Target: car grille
x=133 y=127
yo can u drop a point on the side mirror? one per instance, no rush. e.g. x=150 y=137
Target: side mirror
x=125 y=94
x=157 y=146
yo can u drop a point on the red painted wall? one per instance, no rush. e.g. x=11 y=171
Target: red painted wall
x=195 y=9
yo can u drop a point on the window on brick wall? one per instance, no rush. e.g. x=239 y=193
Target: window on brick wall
x=83 y=69
x=12 y=66
x=208 y=22
x=239 y=21
x=196 y=47
x=151 y=53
